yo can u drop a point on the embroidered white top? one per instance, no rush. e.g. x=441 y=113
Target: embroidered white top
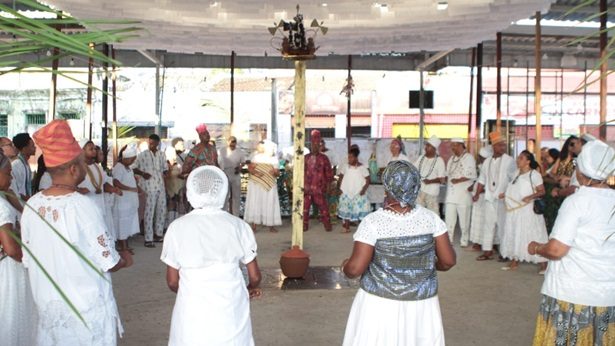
x=463 y=166
x=75 y=218
x=155 y=165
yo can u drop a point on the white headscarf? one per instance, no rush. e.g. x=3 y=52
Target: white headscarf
x=597 y=160
x=207 y=187
x=486 y=151
x=129 y=152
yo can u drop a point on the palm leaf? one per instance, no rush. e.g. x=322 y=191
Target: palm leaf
x=576 y=8
x=53 y=282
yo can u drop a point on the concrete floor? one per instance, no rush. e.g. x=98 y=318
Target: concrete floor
x=481 y=304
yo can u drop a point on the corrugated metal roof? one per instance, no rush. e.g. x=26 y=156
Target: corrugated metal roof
x=559 y=10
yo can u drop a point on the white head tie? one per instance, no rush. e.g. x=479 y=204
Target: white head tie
x=207 y=187
x=597 y=160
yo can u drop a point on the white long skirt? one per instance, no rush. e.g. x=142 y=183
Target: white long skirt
x=126 y=211
x=522 y=227
x=17 y=312
x=212 y=308
x=375 y=320
x=262 y=206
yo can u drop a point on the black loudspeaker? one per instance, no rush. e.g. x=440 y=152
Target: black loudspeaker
x=415 y=96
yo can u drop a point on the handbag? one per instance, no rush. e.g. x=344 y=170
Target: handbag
x=539 y=203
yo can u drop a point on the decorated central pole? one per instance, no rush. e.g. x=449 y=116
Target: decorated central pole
x=298 y=158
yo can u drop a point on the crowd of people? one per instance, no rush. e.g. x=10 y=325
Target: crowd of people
x=556 y=213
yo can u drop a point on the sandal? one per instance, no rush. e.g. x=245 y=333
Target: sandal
x=149 y=244
x=484 y=257
x=158 y=239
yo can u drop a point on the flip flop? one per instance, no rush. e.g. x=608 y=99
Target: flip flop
x=484 y=258
x=149 y=244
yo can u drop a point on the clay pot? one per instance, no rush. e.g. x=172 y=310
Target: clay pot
x=294 y=263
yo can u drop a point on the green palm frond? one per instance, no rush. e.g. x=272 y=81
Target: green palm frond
x=31 y=37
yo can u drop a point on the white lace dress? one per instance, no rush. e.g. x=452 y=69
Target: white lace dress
x=375 y=320
x=522 y=224
x=80 y=222
x=17 y=312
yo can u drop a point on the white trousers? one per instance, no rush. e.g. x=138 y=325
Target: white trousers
x=428 y=201
x=494 y=219
x=155 y=213
x=451 y=212
x=233 y=198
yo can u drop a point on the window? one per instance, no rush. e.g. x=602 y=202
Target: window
x=4 y=124
x=69 y=116
x=35 y=118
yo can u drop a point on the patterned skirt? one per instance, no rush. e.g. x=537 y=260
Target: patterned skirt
x=353 y=208
x=560 y=323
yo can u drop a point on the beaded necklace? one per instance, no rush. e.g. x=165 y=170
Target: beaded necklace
x=433 y=165
x=492 y=177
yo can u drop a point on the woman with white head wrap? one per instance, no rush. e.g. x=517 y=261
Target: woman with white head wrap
x=126 y=206
x=397 y=251
x=578 y=294
x=203 y=251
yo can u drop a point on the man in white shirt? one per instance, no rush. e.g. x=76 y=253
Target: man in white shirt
x=495 y=175
x=21 y=172
x=152 y=165
x=460 y=172
x=231 y=158
x=77 y=219
x=433 y=173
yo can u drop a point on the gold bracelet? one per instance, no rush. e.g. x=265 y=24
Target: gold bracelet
x=536 y=249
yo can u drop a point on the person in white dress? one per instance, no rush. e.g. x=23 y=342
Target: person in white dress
x=397 y=251
x=262 y=201
x=460 y=175
x=203 y=251
x=523 y=225
x=18 y=315
x=433 y=173
x=578 y=293
x=97 y=184
x=496 y=172
x=478 y=213
x=353 y=182
x=231 y=158
x=126 y=205
x=79 y=221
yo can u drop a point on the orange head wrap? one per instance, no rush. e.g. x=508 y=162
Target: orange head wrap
x=57 y=143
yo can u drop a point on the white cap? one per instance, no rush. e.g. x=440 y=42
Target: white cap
x=130 y=151
x=207 y=187
x=458 y=140
x=597 y=160
x=434 y=141
x=486 y=151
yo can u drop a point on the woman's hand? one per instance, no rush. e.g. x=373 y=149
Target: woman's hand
x=502 y=196
x=528 y=199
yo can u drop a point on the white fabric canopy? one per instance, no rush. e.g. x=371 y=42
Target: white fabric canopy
x=356 y=26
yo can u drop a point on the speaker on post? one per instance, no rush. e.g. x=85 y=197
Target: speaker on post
x=415 y=96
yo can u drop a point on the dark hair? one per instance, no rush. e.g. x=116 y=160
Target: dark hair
x=554 y=153
x=21 y=140
x=563 y=155
x=39 y=173
x=154 y=137
x=121 y=153
x=354 y=152
x=530 y=157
